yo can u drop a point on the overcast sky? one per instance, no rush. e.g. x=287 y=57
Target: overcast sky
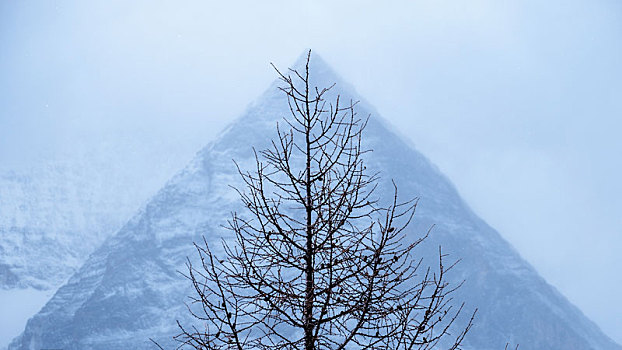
x=518 y=102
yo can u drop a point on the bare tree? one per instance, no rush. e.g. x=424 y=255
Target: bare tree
x=317 y=262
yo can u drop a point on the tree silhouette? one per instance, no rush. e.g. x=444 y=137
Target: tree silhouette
x=317 y=262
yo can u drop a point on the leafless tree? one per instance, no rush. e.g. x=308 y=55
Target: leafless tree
x=317 y=262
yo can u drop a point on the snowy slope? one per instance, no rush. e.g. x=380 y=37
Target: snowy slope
x=55 y=213
x=130 y=290
x=52 y=218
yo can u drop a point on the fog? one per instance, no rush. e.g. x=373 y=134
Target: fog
x=519 y=103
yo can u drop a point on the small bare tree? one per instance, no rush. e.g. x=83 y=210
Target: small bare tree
x=317 y=262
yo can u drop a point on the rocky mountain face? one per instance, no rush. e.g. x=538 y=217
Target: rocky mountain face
x=51 y=220
x=130 y=289
x=54 y=212
x=52 y=216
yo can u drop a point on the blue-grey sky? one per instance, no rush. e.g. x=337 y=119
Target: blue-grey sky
x=518 y=102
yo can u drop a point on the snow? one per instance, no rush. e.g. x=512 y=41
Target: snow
x=54 y=214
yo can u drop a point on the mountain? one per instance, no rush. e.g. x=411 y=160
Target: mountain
x=54 y=212
x=52 y=208
x=51 y=217
x=130 y=290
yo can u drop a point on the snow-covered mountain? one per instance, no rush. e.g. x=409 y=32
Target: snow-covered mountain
x=129 y=289
x=57 y=211
x=51 y=220
x=51 y=217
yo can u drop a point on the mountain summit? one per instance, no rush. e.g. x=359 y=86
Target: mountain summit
x=129 y=290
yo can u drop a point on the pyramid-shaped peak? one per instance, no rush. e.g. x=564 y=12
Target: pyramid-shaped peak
x=271 y=107
x=315 y=61
x=321 y=74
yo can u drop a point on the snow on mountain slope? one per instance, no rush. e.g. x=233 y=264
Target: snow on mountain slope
x=55 y=213
x=52 y=218
x=129 y=289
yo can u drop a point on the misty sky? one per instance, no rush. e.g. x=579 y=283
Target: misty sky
x=519 y=103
